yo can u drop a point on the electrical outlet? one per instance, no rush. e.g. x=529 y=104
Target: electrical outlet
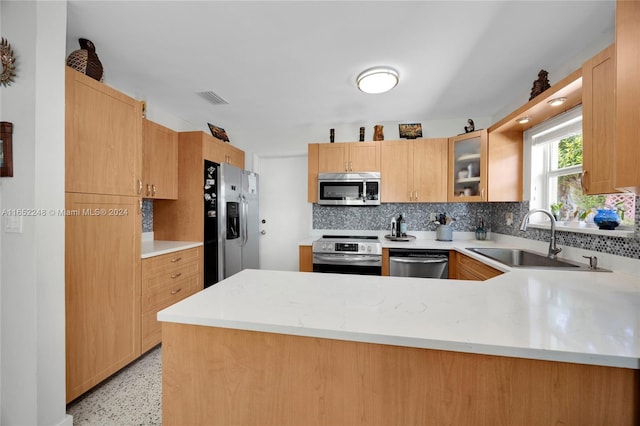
x=432 y=217
x=509 y=217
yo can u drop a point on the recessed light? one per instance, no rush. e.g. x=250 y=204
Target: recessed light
x=557 y=101
x=377 y=80
x=523 y=120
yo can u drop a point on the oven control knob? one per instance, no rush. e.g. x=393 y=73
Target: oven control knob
x=369 y=249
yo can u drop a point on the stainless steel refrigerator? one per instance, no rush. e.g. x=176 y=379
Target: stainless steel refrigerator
x=238 y=227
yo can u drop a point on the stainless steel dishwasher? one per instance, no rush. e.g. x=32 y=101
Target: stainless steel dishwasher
x=425 y=263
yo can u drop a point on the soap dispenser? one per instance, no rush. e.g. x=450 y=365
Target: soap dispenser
x=481 y=233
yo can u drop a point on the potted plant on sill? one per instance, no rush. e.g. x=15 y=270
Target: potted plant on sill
x=556 y=209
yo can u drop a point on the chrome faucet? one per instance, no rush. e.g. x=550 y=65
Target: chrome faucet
x=553 y=250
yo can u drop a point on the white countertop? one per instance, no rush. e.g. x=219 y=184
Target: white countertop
x=567 y=316
x=152 y=248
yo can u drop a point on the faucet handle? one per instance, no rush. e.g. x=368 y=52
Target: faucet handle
x=593 y=261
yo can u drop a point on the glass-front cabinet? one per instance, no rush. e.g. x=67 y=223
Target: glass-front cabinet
x=468 y=167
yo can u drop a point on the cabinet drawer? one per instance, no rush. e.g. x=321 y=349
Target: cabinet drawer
x=151 y=328
x=163 y=289
x=169 y=260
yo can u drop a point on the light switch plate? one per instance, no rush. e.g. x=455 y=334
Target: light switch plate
x=13 y=224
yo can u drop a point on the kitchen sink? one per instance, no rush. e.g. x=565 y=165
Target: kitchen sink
x=518 y=258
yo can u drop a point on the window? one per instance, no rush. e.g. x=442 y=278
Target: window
x=553 y=169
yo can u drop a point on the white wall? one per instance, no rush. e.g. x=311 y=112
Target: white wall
x=32 y=379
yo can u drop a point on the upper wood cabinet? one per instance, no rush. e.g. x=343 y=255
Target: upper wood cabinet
x=414 y=170
x=103 y=151
x=220 y=152
x=485 y=166
x=349 y=157
x=160 y=161
x=102 y=287
x=598 y=122
x=468 y=167
x=183 y=219
x=312 y=172
x=627 y=148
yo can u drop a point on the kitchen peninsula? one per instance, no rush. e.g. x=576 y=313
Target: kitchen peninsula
x=526 y=348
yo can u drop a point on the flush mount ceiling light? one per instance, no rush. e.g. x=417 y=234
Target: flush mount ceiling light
x=523 y=120
x=557 y=101
x=377 y=80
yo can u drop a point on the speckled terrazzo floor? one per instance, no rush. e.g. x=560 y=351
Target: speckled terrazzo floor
x=131 y=397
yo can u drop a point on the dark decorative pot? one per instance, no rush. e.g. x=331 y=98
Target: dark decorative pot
x=86 y=60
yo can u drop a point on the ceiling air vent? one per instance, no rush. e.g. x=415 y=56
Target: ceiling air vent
x=213 y=98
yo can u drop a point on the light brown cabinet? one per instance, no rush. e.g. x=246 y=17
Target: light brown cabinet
x=468 y=167
x=167 y=279
x=103 y=152
x=463 y=267
x=102 y=287
x=160 y=161
x=627 y=148
x=183 y=219
x=305 y=259
x=414 y=170
x=349 y=157
x=219 y=151
x=598 y=122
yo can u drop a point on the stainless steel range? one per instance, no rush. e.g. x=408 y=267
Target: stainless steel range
x=348 y=254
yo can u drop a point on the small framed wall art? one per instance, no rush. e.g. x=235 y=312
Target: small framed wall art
x=6 y=151
x=218 y=132
x=410 y=131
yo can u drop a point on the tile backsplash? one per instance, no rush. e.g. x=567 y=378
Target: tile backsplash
x=147 y=215
x=467 y=215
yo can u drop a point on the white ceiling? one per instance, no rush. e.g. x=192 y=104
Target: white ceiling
x=292 y=65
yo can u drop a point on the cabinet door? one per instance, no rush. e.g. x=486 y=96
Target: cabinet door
x=627 y=151
x=103 y=151
x=468 y=167
x=102 y=287
x=305 y=259
x=397 y=172
x=598 y=122
x=160 y=161
x=234 y=156
x=333 y=158
x=312 y=173
x=364 y=156
x=430 y=165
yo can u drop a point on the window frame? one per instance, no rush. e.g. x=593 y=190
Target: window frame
x=562 y=125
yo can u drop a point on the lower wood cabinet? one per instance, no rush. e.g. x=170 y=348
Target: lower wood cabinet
x=167 y=279
x=102 y=287
x=305 y=259
x=463 y=267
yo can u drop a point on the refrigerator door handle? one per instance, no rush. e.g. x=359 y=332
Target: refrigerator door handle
x=244 y=220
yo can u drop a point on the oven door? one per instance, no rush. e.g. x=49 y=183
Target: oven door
x=339 y=263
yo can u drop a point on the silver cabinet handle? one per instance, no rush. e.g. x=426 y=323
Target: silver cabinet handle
x=176 y=275
x=153 y=189
x=175 y=291
x=139 y=187
x=148 y=189
x=176 y=259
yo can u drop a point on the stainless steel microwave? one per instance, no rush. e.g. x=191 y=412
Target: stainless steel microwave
x=349 y=189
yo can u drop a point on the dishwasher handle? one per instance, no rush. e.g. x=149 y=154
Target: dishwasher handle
x=418 y=260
